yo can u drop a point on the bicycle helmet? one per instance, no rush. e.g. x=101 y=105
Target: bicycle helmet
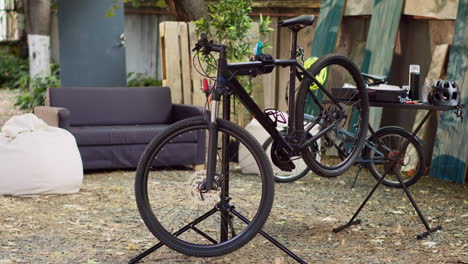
x=321 y=77
x=444 y=92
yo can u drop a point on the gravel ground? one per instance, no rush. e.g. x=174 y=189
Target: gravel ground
x=101 y=224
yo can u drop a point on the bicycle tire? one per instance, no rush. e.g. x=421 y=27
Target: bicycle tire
x=283 y=176
x=411 y=171
x=154 y=217
x=346 y=70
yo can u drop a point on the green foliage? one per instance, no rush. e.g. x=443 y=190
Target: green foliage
x=116 y=4
x=38 y=88
x=229 y=25
x=12 y=69
x=139 y=80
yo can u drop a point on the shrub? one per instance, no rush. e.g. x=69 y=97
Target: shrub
x=38 y=88
x=12 y=69
x=139 y=79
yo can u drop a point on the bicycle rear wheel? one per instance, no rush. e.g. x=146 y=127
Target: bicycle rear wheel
x=175 y=208
x=340 y=127
x=395 y=142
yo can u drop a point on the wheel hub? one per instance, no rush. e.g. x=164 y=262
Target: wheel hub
x=196 y=190
x=391 y=157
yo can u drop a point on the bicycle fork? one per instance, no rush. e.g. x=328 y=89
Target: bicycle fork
x=212 y=146
x=213 y=127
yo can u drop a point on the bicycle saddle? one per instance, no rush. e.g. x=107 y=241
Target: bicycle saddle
x=304 y=20
x=374 y=79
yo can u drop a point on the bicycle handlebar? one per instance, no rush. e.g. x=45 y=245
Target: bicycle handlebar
x=206 y=46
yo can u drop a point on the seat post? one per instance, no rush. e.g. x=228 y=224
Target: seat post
x=292 y=79
x=294 y=31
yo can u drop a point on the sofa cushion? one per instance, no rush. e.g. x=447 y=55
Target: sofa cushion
x=122 y=135
x=114 y=105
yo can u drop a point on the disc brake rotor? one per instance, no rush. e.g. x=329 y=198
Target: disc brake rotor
x=198 y=196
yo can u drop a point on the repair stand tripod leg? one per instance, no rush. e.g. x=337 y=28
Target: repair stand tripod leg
x=416 y=207
x=234 y=212
x=421 y=216
x=271 y=239
x=182 y=230
x=360 y=166
x=358 y=221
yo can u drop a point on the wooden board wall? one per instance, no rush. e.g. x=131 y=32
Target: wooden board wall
x=358 y=7
x=450 y=154
x=416 y=42
x=446 y=9
x=439 y=9
x=380 y=44
x=328 y=25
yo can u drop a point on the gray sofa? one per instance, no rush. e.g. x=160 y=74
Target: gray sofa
x=112 y=126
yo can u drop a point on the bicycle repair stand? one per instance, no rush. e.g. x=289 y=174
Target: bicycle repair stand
x=394 y=161
x=224 y=210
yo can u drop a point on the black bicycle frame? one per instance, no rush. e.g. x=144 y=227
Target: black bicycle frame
x=226 y=78
x=239 y=91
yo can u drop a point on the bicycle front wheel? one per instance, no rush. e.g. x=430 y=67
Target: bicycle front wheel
x=395 y=142
x=336 y=116
x=173 y=203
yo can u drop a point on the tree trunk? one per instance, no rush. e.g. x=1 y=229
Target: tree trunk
x=187 y=10
x=37 y=21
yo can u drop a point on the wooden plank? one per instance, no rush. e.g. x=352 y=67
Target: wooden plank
x=328 y=24
x=427 y=132
x=269 y=80
x=436 y=70
x=446 y=9
x=380 y=45
x=198 y=97
x=305 y=39
x=171 y=60
x=326 y=31
x=352 y=38
x=358 y=7
x=283 y=73
x=186 y=58
x=450 y=156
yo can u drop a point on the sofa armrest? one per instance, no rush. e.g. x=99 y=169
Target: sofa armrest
x=180 y=112
x=53 y=116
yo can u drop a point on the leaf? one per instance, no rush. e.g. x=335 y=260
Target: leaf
x=132 y=247
x=376 y=241
x=429 y=244
x=329 y=219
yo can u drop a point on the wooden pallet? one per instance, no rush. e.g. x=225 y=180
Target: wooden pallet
x=177 y=40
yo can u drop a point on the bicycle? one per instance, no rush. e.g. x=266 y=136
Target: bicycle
x=374 y=157
x=216 y=194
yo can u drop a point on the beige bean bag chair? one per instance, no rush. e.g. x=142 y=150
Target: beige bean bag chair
x=36 y=159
